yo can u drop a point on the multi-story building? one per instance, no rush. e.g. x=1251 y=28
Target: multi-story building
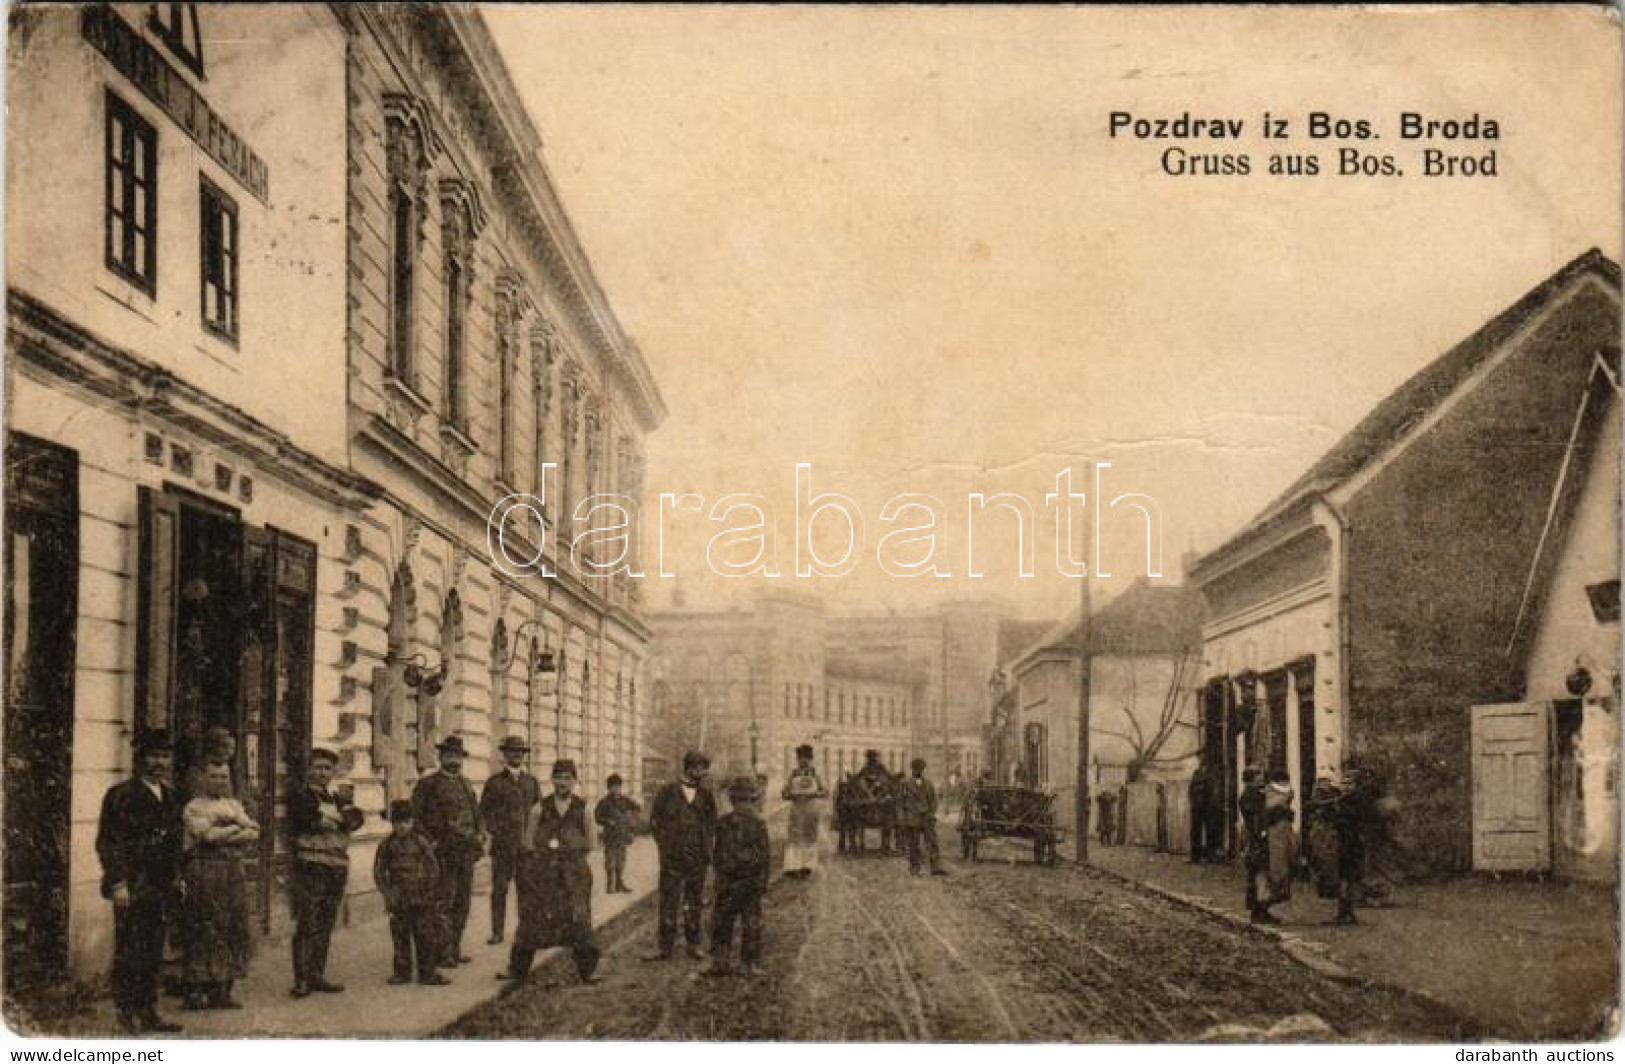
x=291 y=304
x=178 y=483
x=484 y=361
x=752 y=685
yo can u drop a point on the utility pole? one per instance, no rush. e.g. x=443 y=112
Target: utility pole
x=1084 y=608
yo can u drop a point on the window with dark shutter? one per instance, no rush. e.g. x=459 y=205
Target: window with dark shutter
x=132 y=196
x=218 y=225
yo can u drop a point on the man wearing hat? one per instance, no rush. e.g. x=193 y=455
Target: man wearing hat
x=555 y=891
x=138 y=840
x=448 y=815
x=616 y=816
x=319 y=823
x=505 y=803
x=917 y=817
x=683 y=820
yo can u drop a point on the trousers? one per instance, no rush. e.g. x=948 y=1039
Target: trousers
x=316 y=890
x=454 y=894
x=138 y=953
x=742 y=902
x=504 y=867
x=681 y=889
x=614 y=865
x=412 y=933
x=922 y=842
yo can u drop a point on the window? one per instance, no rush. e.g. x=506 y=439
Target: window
x=220 y=256
x=177 y=26
x=456 y=292
x=132 y=189
x=403 y=279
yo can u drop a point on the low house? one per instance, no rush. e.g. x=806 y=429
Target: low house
x=1143 y=649
x=1449 y=552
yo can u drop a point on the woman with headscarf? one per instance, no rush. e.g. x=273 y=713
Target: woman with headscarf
x=803 y=790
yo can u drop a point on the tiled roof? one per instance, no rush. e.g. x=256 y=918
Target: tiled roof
x=1417 y=397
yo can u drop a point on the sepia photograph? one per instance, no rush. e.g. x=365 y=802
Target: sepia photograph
x=820 y=524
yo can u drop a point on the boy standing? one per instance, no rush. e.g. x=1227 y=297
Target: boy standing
x=741 y=861
x=406 y=872
x=616 y=816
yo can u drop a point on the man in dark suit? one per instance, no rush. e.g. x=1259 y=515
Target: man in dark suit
x=683 y=819
x=917 y=816
x=138 y=841
x=448 y=815
x=505 y=804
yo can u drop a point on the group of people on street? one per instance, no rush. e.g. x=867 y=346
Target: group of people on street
x=903 y=807
x=174 y=867
x=1339 y=820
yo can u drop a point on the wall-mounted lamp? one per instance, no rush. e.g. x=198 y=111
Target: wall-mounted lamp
x=542 y=661
x=422 y=679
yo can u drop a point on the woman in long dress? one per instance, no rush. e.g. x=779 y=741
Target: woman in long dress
x=218 y=944
x=803 y=790
x=1280 y=838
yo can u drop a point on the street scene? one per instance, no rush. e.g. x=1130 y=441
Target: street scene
x=822 y=524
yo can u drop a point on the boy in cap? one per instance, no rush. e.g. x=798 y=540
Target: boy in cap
x=406 y=872
x=741 y=860
x=616 y=816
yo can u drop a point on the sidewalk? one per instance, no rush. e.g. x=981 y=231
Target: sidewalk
x=1525 y=960
x=360 y=959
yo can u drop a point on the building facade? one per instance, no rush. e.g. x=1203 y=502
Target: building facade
x=1142 y=654
x=484 y=362
x=291 y=305
x=177 y=465
x=1406 y=578
x=749 y=686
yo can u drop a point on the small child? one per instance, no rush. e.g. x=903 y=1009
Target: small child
x=406 y=872
x=741 y=862
x=616 y=815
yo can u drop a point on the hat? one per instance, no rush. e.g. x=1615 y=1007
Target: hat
x=452 y=744
x=614 y=780
x=154 y=739
x=321 y=753
x=564 y=767
x=695 y=759
x=871 y=755
x=400 y=809
x=917 y=763
x=804 y=750
x=742 y=789
x=514 y=742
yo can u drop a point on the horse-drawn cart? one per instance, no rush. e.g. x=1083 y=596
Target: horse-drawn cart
x=991 y=812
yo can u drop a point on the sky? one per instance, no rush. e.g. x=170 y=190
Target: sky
x=901 y=246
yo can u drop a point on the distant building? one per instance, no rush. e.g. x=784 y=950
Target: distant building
x=1142 y=650
x=1456 y=549
x=752 y=685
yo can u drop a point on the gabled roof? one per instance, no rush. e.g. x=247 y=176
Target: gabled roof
x=1412 y=401
x=1145 y=620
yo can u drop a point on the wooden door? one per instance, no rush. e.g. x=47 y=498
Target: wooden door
x=1511 y=790
x=41 y=612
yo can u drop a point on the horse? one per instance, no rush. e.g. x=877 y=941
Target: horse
x=861 y=804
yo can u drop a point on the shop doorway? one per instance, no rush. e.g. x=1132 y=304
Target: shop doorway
x=42 y=582
x=227 y=623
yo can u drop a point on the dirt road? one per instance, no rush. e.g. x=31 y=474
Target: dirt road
x=993 y=952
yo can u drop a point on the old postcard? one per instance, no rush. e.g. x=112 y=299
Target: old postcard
x=812 y=524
